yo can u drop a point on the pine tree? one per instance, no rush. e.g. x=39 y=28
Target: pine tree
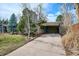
x=12 y=24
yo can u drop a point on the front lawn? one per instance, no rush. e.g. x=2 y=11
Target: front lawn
x=9 y=43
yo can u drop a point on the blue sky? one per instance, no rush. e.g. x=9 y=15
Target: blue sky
x=51 y=9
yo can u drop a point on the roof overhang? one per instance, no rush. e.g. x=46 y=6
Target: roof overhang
x=51 y=24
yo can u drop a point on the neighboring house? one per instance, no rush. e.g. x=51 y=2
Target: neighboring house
x=3 y=27
x=50 y=27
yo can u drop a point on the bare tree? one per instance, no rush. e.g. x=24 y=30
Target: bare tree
x=77 y=10
x=40 y=15
x=67 y=16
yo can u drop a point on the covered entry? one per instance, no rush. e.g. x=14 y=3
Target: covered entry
x=50 y=27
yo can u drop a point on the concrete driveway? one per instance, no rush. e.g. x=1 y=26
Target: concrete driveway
x=46 y=45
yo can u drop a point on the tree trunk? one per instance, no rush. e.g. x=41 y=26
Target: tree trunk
x=28 y=27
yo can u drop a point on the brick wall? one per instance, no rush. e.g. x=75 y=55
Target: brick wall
x=75 y=27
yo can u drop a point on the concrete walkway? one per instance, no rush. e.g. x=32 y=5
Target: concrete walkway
x=46 y=45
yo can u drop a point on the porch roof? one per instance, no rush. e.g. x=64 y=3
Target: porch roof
x=51 y=24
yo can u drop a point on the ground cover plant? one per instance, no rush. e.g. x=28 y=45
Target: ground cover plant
x=9 y=43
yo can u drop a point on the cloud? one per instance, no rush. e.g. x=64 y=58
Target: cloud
x=45 y=6
x=52 y=14
x=52 y=17
x=58 y=13
x=34 y=5
x=7 y=9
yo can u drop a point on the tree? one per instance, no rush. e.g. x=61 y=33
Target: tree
x=24 y=24
x=66 y=10
x=41 y=16
x=21 y=24
x=41 y=13
x=12 y=24
x=31 y=19
x=59 y=18
x=77 y=10
x=27 y=14
x=67 y=17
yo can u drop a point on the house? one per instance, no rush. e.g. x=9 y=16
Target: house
x=50 y=27
x=6 y=27
x=3 y=26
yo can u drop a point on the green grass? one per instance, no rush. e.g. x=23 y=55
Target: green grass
x=9 y=43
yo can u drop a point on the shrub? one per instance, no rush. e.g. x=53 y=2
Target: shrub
x=71 y=43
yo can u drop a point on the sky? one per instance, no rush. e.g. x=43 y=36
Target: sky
x=52 y=10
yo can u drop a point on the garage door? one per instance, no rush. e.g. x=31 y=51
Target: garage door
x=51 y=29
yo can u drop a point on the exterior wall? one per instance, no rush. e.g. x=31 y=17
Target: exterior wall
x=75 y=28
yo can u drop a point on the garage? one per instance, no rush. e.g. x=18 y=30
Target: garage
x=50 y=27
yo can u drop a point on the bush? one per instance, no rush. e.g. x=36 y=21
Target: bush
x=71 y=43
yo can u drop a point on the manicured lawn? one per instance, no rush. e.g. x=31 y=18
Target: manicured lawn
x=9 y=43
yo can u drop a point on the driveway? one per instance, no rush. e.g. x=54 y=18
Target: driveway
x=46 y=45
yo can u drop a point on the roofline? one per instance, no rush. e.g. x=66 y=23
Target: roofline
x=57 y=24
